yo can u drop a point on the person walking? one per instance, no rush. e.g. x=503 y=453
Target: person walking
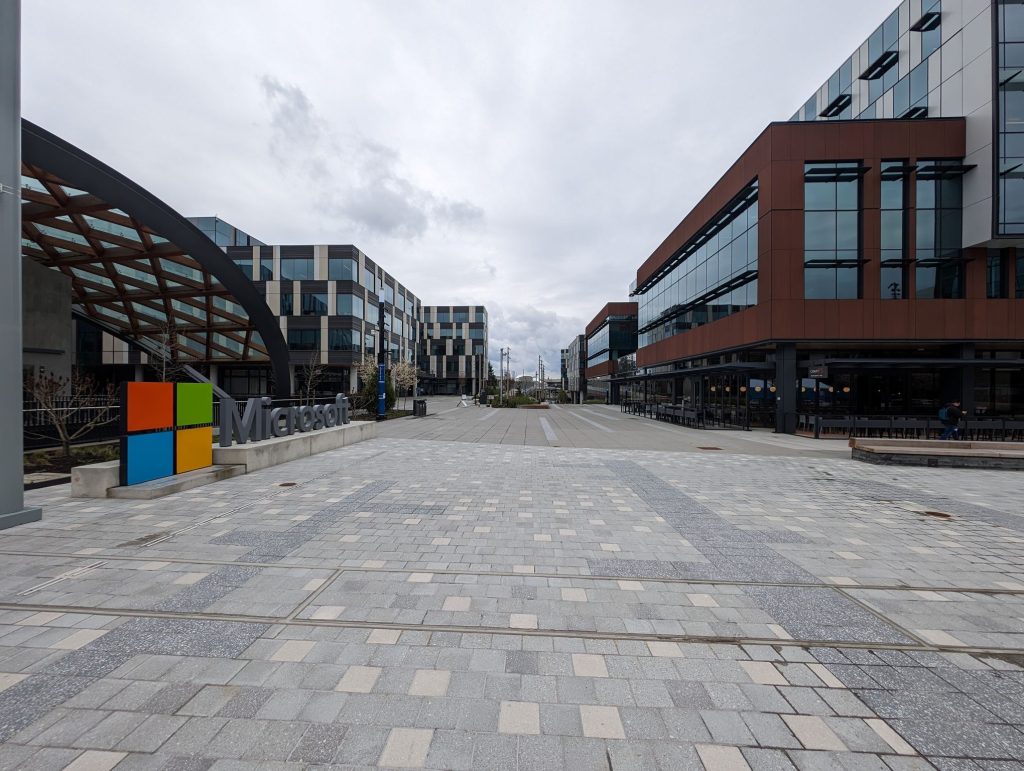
x=950 y=416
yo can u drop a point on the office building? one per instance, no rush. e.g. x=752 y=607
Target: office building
x=453 y=348
x=327 y=301
x=861 y=258
x=611 y=335
x=576 y=369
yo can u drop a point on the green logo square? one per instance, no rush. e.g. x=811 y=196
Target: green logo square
x=194 y=404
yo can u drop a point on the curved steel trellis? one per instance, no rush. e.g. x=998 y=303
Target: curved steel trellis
x=139 y=269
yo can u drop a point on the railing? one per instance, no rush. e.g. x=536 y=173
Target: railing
x=909 y=427
x=40 y=433
x=692 y=417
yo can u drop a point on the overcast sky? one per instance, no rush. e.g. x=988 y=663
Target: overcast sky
x=523 y=155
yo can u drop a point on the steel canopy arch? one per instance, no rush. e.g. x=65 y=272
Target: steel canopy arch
x=135 y=261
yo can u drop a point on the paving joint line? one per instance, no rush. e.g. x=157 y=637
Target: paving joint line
x=569 y=633
x=589 y=577
x=315 y=593
x=881 y=616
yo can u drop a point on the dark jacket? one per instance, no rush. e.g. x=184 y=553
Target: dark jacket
x=953 y=415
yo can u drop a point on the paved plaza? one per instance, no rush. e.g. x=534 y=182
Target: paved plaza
x=525 y=589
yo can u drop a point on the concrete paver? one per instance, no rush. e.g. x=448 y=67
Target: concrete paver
x=469 y=592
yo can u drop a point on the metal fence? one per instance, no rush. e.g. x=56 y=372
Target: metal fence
x=1009 y=429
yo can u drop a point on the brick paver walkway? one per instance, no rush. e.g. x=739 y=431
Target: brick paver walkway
x=456 y=605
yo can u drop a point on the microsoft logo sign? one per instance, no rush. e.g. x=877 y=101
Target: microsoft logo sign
x=166 y=429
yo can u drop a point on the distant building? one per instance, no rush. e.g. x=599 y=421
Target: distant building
x=576 y=369
x=453 y=348
x=327 y=300
x=611 y=335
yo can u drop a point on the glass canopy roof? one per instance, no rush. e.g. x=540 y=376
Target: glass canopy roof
x=130 y=280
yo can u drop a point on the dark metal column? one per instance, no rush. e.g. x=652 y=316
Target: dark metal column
x=785 y=388
x=12 y=462
x=383 y=351
x=967 y=403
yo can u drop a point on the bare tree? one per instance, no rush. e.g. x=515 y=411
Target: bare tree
x=166 y=358
x=403 y=375
x=74 y=405
x=312 y=375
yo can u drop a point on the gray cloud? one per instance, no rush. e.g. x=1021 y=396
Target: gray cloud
x=530 y=332
x=585 y=129
x=354 y=178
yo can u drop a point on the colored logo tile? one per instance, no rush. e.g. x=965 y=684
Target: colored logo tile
x=193 y=448
x=194 y=404
x=149 y=406
x=145 y=457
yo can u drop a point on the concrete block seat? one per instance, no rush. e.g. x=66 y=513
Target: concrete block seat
x=938 y=452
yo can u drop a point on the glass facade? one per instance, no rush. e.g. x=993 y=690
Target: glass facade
x=832 y=230
x=342 y=269
x=893 y=235
x=314 y=304
x=939 y=269
x=714 y=275
x=849 y=94
x=350 y=305
x=615 y=338
x=344 y=340
x=304 y=339
x=266 y=264
x=1010 y=127
x=296 y=268
x=997 y=264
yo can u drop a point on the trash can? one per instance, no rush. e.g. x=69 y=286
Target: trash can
x=419 y=408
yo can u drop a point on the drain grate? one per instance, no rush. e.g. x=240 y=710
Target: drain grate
x=709 y=448
x=287 y=484
x=937 y=514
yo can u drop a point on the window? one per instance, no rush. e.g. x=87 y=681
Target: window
x=997 y=268
x=350 y=305
x=713 y=275
x=1019 y=288
x=443 y=316
x=296 y=268
x=342 y=269
x=370 y=280
x=1010 y=79
x=940 y=269
x=369 y=346
x=286 y=304
x=304 y=339
x=893 y=217
x=461 y=317
x=400 y=301
x=372 y=312
x=929 y=27
x=244 y=264
x=343 y=340
x=389 y=294
x=832 y=230
x=314 y=304
x=266 y=266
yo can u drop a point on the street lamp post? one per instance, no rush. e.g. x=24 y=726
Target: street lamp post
x=382 y=360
